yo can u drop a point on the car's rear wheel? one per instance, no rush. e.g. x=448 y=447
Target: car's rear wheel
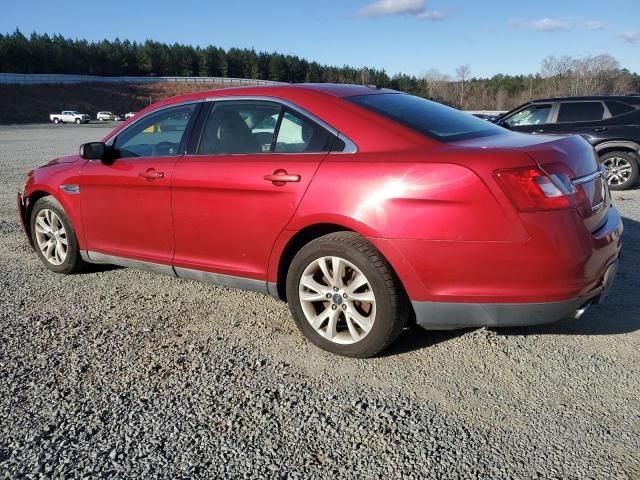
x=54 y=238
x=621 y=169
x=55 y=120
x=345 y=297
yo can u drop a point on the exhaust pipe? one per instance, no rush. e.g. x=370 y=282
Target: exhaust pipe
x=580 y=311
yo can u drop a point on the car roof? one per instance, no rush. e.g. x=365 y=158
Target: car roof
x=337 y=90
x=630 y=99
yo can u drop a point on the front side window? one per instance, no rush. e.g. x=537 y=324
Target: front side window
x=157 y=135
x=580 y=112
x=531 y=115
x=251 y=127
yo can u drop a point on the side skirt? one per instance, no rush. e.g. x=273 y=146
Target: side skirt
x=242 y=283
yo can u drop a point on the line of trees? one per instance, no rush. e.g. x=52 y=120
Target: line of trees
x=558 y=76
x=57 y=54
x=600 y=74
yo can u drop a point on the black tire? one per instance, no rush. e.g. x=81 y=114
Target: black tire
x=628 y=157
x=73 y=262
x=392 y=305
x=78 y=121
x=56 y=121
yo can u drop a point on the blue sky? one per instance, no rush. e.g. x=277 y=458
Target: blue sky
x=410 y=36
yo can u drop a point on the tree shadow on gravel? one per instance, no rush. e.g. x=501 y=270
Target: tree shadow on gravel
x=416 y=338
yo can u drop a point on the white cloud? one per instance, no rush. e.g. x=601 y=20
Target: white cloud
x=595 y=24
x=432 y=15
x=631 y=36
x=414 y=8
x=392 y=7
x=543 y=25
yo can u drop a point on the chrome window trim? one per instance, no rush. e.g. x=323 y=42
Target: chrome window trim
x=350 y=146
x=590 y=177
x=110 y=141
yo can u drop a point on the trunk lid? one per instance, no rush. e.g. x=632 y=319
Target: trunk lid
x=565 y=157
x=575 y=157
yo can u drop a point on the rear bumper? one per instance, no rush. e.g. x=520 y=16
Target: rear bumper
x=451 y=316
x=558 y=271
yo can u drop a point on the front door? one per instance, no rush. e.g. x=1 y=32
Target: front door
x=126 y=202
x=240 y=186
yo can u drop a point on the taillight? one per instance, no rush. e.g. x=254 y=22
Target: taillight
x=532 y=190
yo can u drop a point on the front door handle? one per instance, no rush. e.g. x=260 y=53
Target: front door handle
x=280 y=177
x=151 y=174
x=600 y=129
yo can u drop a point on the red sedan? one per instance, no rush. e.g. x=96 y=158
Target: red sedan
x=363 y=208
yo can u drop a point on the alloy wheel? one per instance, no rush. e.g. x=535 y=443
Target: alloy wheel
x=337 y=300
x=51 y=236
x=617 y=170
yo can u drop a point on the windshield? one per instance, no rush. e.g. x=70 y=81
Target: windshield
x=429 y=118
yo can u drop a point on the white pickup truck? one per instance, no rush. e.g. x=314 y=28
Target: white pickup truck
x=69 y=116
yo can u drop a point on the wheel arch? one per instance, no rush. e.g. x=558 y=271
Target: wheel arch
x=618 y=146
x=30 y=201
x=295 y=244
x=309 y=233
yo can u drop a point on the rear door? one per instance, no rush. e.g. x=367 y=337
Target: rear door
x=579 y=117
x=240 y=185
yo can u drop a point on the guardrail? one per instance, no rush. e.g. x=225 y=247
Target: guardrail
x=45 y=78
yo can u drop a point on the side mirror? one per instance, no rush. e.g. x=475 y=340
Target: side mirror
x=93 y=150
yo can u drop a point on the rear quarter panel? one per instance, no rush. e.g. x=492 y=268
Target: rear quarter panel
x=413 y=196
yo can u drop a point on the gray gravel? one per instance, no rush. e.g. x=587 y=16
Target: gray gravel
x=127 y=374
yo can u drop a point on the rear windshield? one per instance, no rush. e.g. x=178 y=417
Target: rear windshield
x=429 y=118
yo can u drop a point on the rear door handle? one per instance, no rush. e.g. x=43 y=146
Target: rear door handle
x=600 y=129
x=151 y=174
x=280 y=177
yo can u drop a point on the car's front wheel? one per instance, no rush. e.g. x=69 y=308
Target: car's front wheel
x=344 y=296
x=621 y=169
x=78 y=121
x=54 y=238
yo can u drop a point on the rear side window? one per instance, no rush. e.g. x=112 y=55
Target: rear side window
x=250 y=127
x=299 y=135
x=429 y=118
x=240 y=127
x=580 y=112
x=618 y=108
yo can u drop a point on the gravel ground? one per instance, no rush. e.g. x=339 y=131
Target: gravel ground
x=127 y=374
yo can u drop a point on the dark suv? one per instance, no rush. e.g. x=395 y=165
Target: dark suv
x=610 y=123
